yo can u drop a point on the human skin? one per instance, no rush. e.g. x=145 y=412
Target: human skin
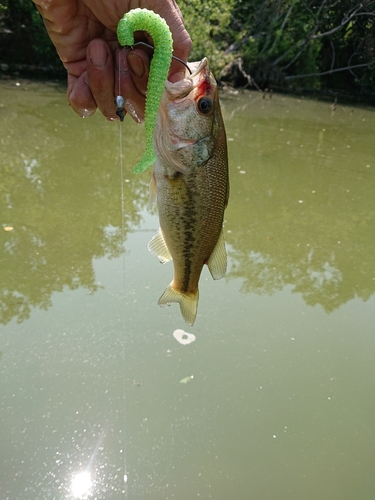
x=84 y=34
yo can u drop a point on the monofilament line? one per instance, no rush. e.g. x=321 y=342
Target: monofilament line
x=121 y=162
x=121 y=157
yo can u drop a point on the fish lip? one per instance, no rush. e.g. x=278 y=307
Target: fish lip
x=199 y=66
x=182 y=88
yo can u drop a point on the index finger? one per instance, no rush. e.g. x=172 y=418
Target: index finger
x=181 y=38
x=180 y=50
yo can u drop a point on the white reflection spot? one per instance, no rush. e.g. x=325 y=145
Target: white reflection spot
x=183 y=337
x=81 y=484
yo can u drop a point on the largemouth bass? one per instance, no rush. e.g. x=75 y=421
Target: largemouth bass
x=190 y=183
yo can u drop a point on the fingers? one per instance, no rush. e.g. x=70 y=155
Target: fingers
x=79 y=94
x=181 y=40
x=108 y=72
x=132 y=75
x=106 y=76
x=125 y=74
x=90 y=81
x=100 y=76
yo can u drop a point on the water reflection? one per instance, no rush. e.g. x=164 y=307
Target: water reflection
x=301 y=212
x=302 y=209
x=60 y=195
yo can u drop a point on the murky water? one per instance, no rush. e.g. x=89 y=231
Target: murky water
x=281 y=404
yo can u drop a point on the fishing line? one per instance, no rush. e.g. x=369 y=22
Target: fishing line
x=141 y=19
x=120 y=102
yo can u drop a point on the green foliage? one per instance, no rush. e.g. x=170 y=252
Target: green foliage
x=23 y=37
x=279 y=43
x=42 y=46
x=208 y=24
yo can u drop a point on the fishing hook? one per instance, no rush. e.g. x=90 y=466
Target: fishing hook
x=152 y=48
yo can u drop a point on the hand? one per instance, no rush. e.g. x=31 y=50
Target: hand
x=84 y=34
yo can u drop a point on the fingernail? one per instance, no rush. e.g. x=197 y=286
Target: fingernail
x=85 y=113
x=98 y=55
x=136 y=65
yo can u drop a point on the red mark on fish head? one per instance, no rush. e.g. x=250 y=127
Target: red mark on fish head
x=204 y=97
x=205 y=87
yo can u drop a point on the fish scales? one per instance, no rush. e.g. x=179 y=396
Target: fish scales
x=191 y=185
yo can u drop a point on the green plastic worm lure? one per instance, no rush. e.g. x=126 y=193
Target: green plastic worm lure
x=147 y=20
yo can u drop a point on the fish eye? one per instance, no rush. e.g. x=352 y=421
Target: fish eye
x=205 y=105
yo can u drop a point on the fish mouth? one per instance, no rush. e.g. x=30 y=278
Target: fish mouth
x=199 y=71
x=197 y=66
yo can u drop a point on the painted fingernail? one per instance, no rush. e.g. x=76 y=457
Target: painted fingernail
x=98 y=55
x=136 y=65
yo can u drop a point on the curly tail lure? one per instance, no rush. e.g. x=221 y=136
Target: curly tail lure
x=147 y=20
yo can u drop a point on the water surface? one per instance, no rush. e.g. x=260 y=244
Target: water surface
x=281 y=404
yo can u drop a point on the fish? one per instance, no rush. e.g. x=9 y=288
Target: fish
x=190 y=184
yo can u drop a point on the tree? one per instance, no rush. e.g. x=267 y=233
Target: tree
x=313 y=44
x=305 y=40
x=23 y=38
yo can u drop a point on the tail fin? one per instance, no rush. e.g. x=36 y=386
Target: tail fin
x=188 y=302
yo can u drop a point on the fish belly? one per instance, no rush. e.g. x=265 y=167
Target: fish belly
x=191 y=211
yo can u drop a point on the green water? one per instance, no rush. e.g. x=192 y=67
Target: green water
x=281 y=404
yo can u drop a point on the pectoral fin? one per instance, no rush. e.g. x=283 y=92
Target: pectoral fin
x=217 y=263
x=158 y=247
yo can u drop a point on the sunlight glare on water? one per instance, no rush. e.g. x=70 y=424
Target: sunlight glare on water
x=81 y=484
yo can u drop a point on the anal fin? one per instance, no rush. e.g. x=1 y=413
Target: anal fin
x=217 y=262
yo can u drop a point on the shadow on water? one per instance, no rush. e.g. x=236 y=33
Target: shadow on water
x=301 y=212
